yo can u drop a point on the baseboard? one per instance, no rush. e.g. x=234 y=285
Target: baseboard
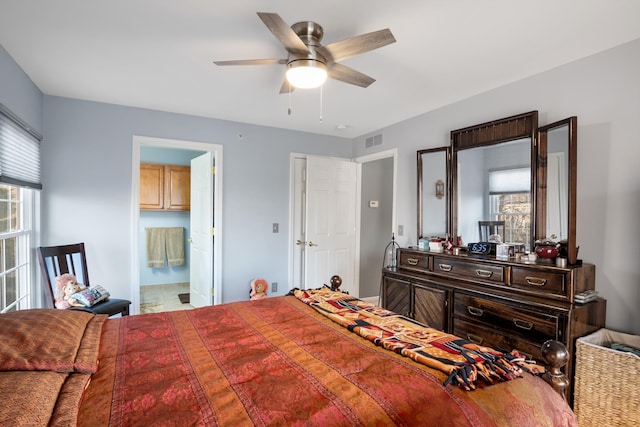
x=371 y=300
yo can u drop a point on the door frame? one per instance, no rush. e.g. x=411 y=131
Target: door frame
x=359 y=161
x=216 y=151
x=365 y=159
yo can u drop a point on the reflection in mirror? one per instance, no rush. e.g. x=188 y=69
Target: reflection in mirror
x=494 y=184
x=557 y=182
x=432 y=192
x=557 y=175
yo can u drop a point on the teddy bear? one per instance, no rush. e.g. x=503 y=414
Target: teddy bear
x=258 y=289
x=67 y=285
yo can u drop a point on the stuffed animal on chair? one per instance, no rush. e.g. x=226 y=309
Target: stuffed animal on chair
x=66 y=285
x=259 y=289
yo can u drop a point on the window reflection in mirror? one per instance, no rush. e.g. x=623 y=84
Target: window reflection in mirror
x=557 y=182
x=432 y=192
x=494 y=184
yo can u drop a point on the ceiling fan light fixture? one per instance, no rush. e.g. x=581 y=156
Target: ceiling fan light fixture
x=306 y=73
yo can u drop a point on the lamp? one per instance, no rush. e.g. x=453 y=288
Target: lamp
x=306 y=73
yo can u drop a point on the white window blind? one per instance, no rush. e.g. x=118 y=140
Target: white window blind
x=19 y=152
x=509 y=180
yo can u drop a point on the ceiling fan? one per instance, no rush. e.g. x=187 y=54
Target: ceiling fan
x=308 y=62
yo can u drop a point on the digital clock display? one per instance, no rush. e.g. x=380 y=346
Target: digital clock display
x=484 y=248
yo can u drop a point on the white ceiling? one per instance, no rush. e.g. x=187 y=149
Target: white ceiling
x=159 y=54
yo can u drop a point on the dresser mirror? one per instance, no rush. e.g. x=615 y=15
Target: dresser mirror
x=493 y=183
x=505 y=170
x=556 y=181
x=433 y=193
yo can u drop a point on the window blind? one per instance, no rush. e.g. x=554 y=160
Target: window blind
x=19 y=152
x=509 y=180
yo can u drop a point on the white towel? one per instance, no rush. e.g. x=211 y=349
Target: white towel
x=175 y=246
x=164 y=243
x=155 y=247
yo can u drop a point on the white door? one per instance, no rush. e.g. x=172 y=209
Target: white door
x=201 y=238
x=330 y=222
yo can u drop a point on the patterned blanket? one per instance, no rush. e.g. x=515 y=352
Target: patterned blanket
x=467 y=364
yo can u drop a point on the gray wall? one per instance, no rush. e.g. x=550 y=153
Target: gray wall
x=375 y=223
x=603 y=90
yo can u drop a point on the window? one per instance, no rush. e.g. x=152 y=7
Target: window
x=16 y=286
x=19 y=179
x=510 y=201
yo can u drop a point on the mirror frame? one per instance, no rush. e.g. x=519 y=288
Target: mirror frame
x=511 y=128
x=541 y=212
x=447 y=190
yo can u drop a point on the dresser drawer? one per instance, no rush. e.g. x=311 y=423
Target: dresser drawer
x=414 y=261
x=471 y=270
x=489 y=337
x=531 y=324
x=545 y=282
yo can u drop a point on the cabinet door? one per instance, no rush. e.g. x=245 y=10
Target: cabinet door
x=397 y=296
x=430 y=306
x=177 y=187
x=151 y=186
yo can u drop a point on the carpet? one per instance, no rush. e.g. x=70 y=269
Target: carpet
x=184 y=298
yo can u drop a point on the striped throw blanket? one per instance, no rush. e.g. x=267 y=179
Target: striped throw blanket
x=467 y=364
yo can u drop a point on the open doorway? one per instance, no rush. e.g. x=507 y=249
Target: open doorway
x=178 y=152
x=377 y=218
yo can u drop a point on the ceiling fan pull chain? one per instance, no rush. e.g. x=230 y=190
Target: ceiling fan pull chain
x=289 y=110
x=321 y=86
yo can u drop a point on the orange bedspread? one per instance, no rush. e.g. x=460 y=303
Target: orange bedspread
x=277 y=361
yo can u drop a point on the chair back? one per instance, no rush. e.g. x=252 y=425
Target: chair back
x=57 y=260
x=488 y=228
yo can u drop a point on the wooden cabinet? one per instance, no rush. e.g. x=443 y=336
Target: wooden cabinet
x=507 y=305
x=165 y=187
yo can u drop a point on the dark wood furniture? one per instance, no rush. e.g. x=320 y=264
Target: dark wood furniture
x=508 y=305
x=57 y=260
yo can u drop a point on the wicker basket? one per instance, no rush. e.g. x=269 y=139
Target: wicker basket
x=606 y=380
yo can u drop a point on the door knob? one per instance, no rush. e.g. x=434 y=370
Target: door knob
x=313 y=244
x=300 y=242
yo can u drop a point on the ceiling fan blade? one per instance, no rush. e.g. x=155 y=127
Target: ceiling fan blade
x=356 y=45
x=285 y=35
x=349 y=75
x=286 y=87
x=252 y=62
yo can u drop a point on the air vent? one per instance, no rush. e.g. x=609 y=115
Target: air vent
x=373 y=141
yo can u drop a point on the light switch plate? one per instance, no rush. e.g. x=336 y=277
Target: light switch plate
x=373 y=203
x=275 y=227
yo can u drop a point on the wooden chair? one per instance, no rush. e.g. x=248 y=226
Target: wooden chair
x=57 y=260
x=488 y=228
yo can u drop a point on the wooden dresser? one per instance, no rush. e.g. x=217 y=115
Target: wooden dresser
x=502 y=304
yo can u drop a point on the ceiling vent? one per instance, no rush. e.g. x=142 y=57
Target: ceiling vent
x=372 y=141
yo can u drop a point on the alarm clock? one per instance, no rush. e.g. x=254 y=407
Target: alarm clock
x=482 y=248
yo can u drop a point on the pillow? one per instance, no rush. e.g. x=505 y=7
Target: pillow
x=50 y=340
x=90 y=297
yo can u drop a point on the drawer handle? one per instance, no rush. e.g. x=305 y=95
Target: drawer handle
x=484 y=273
x=412 y=261
x=475 y=311
x=522 y=324
x=445 y=267
x=476 y=339
x=536 y=281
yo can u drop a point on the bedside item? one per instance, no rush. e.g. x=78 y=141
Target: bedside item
x=482 y=248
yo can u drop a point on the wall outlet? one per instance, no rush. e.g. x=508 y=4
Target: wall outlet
x=400 y=230
x=274 y=287
x=275 y=227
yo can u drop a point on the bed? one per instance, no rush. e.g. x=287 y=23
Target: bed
x=312 y=358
